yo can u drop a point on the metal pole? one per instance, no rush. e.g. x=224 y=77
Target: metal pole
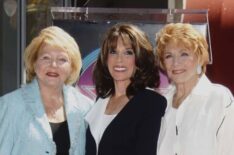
x=21 y=41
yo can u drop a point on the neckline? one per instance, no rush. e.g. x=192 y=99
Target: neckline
x=57 y=123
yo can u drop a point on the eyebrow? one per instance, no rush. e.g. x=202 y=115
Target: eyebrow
x=167 y=52
x=130 y=48
x=182 y=50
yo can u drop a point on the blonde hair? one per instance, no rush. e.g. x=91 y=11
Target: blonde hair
x=58 y=38
x=189 y=37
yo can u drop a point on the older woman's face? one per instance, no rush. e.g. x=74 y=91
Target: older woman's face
x=52 y=66
x=121 y=62
x=180 y=63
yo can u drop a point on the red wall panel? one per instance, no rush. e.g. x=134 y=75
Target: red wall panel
x=221 y=22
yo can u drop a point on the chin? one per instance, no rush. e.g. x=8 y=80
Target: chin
x=54 y=83
x=178 y=80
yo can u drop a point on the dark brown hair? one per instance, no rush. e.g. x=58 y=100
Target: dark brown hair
x=146 y=74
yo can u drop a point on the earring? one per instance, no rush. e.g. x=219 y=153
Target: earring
x=199 y=69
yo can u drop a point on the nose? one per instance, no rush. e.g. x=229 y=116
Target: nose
x=54 y=63
x=119 y=57
x=176 y=61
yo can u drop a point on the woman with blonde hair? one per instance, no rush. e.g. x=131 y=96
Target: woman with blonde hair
x=199 y=116
x=46 y=116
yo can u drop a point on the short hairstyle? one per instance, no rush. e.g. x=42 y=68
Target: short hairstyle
x=146 y=74
x=188 y=36
x=58 y=38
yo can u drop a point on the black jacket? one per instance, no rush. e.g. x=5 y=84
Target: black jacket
x=135 y=130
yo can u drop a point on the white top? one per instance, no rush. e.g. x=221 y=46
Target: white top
x=202 y=125
x=171 y=132
x=101 y=127
x=98 y=120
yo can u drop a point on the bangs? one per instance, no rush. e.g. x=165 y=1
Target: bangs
x=185 y=43
x=112 y=41
x=55 y=43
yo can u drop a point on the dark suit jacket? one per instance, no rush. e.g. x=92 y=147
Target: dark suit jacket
x=135 y=130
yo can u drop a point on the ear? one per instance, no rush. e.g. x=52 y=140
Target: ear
x=199 y=69
x=34 y=67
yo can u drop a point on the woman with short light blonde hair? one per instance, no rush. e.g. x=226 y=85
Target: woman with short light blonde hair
x=188 y=36
x=50 y=37
x=199 y=115
x=46 y=115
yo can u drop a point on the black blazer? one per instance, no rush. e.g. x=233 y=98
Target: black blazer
x=135 y=130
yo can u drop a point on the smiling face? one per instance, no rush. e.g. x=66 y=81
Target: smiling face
x=121 y=62
x=180 y=63
x=52 y=66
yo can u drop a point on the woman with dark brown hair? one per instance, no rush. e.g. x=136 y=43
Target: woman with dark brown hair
x=127 y=112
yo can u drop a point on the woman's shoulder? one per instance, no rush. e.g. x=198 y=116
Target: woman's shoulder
x=75 y=91
x=220 y=89
x=12 y=105
x=221 y=93
x=151 y=94
x=79 y=100
x=216 y=96
x=13 y=97
x=207 y=88
x=220 y=100
x=152 y=99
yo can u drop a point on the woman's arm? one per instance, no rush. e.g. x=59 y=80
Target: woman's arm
x=225 y=135
x=6 y=129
